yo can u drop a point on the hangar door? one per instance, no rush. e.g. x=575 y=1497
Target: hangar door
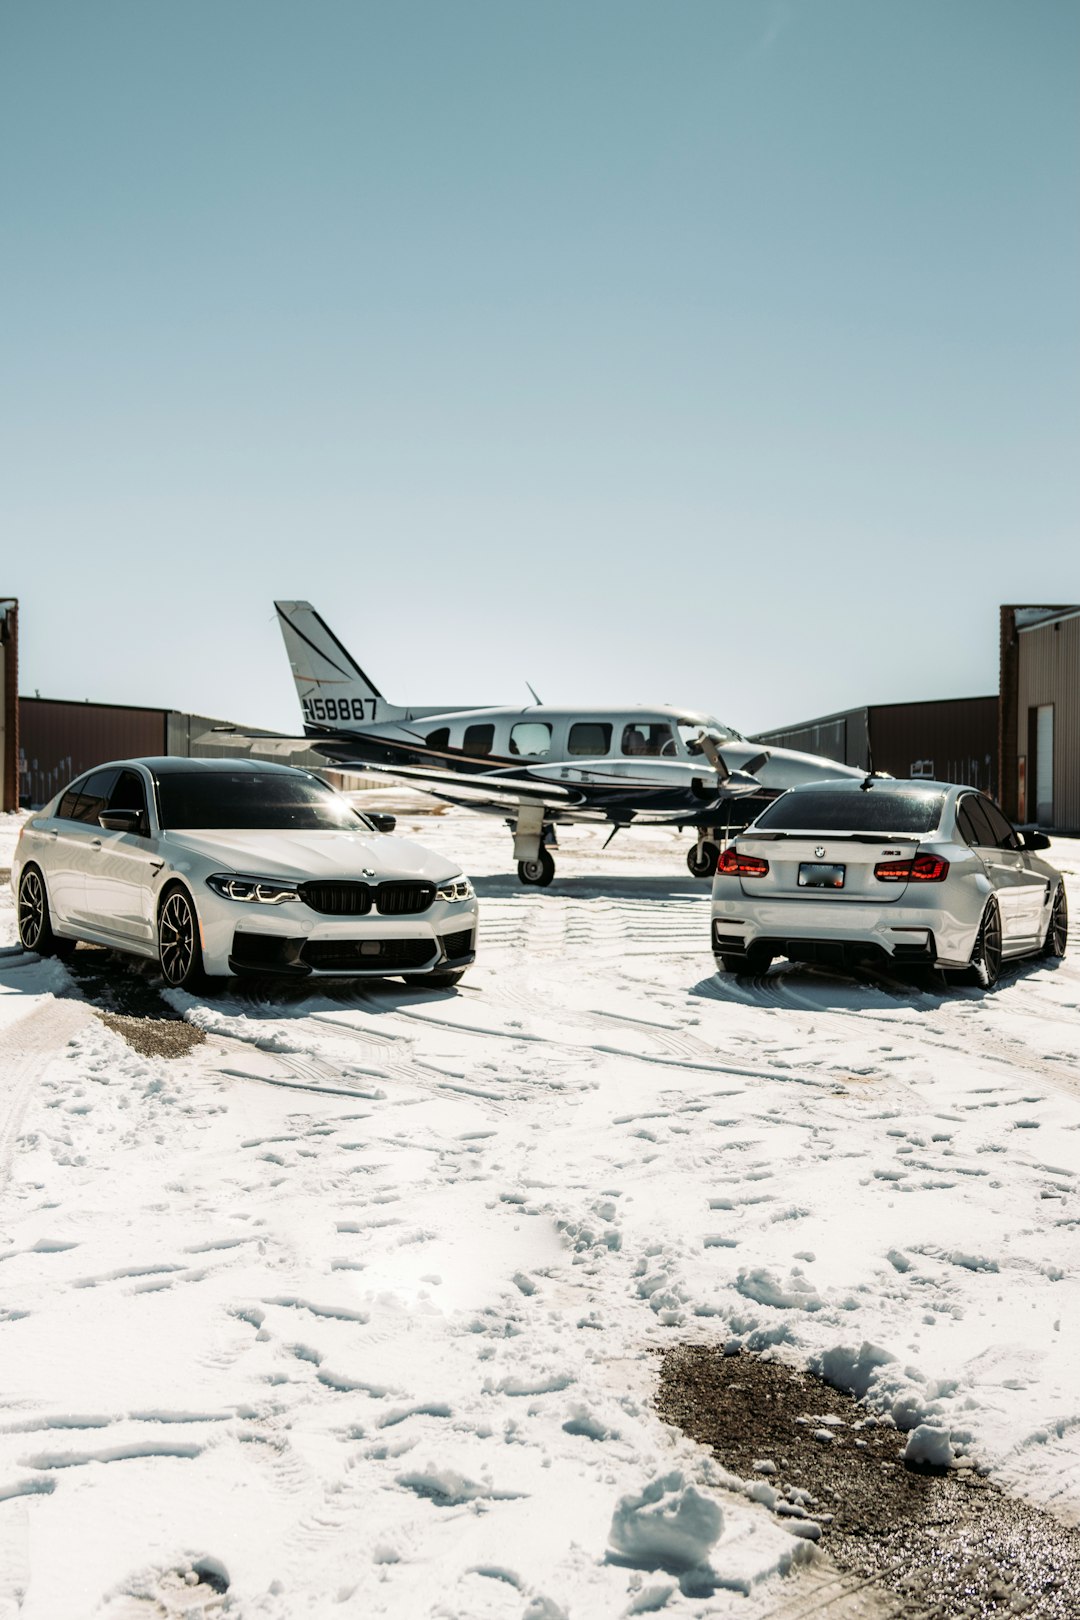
x=1044 y=765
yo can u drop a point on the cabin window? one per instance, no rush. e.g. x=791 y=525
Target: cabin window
x=651 y=740
x=478 y=741
x=531 y=739
x=439 y=738
x=589 y=738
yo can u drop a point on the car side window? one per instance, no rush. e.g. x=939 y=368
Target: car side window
x=983 y=832
x=588 y=738
x=66 y=808
x=964 y=824
x=531 y=739
x=1004 y=836
x=478 y=741
x=129 y=794
x=94 y=796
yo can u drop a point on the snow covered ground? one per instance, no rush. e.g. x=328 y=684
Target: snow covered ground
x=356 y=1306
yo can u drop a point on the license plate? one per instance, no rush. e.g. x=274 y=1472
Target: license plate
x=812 y=876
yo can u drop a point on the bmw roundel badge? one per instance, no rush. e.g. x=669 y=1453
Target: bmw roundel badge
x=819 y=850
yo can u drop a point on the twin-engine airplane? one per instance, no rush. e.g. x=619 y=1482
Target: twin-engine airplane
x=536 y=766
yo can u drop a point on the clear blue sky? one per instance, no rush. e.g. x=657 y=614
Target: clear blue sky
x=723 y=352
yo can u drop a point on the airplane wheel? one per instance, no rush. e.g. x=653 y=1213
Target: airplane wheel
x=539 y=873
x=702 y=860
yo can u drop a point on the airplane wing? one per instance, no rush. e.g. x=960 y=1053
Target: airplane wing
x=491 y=785
x=272 y=742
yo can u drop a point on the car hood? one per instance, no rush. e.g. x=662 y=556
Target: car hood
x=315 y=854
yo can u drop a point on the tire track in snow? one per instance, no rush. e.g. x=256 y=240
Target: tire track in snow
x=26 y=1049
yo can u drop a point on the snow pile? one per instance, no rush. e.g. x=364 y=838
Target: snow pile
x=929 y=1447
x=670 y=1525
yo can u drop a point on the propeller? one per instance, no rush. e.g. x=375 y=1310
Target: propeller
x=735 y=783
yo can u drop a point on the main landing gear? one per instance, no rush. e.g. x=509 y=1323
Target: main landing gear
x=539 y=872
x=534 y=839
x=703 y=856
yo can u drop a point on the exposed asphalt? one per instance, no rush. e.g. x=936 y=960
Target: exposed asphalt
x=127 y=997
x=947 y=1543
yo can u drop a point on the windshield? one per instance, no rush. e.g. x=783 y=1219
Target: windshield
x=852 y=810
x=250 y=799
x=689 y=730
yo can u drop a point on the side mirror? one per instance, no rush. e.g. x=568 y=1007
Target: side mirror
x=382 y=823
x=125 y=821
x=1034 y=839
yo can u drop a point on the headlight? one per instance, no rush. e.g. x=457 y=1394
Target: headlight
x=261 y=890
x=458 y=888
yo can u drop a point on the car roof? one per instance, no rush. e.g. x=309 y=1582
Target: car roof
x=880 y=784
x=174 y=764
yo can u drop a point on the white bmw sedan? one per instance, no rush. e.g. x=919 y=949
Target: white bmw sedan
x=884 y=871
x=215 y=867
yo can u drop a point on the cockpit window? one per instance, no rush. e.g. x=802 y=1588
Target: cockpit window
x=689 y=730
x=648 y=739
x=531 y=739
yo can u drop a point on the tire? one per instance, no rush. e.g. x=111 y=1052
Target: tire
x=35 y=921
x=539 y=873
x=703 y=866
x=984 y=969
x=440 y=980
x=179 y=947
x=1057 y=929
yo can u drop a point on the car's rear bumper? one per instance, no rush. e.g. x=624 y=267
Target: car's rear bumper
x=846 y=933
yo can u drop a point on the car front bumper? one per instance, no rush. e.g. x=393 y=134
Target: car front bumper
x=295 y=942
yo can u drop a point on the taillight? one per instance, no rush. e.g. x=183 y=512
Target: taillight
x=923 y=869
x=733 y=863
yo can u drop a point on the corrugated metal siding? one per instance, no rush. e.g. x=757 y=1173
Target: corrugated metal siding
x=835 y=736
x=60 y=740
x=952 y=740
x=186 y=730
x=1049 y=658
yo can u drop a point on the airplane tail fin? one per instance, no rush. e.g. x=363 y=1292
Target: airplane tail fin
x=332 y=688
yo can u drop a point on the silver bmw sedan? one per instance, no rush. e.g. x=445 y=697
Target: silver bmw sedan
x=884 y=871
x=215 y=867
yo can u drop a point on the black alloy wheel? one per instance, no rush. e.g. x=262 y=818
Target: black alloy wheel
x=35 y=923
x=179 y=950
x=1057 y=931
x=702 y=860
x=985 y=968
x=539 y=873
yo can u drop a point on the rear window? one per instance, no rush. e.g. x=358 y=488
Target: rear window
x=875 y=810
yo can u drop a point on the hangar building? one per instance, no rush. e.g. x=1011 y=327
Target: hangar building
x=950 y=739
x=59 y=740
x=9 y=704
x=1040 y=715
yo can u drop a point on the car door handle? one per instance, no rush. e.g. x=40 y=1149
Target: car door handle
x=95 y=843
